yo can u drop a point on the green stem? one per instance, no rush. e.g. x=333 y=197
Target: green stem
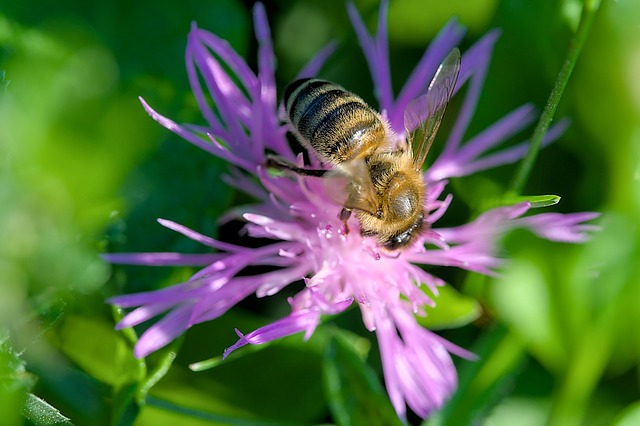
x=524 y=170
x=159 y=373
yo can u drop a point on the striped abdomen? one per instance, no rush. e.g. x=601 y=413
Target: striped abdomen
x=337 y=124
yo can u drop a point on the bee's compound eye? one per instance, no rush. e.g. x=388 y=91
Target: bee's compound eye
x=398 y=241
x=405 y=237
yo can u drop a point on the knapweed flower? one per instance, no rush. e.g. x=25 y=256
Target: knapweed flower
x=301 y=220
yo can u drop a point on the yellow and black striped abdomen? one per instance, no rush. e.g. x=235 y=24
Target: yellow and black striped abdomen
x=337 y=124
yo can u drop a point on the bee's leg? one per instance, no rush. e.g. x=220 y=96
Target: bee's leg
x=279 y=163
x=344 y=216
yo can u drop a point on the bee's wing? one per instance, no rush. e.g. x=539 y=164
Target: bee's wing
x=349 y=185
x=426 y=111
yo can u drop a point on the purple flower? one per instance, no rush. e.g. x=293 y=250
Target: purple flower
x=302 y=220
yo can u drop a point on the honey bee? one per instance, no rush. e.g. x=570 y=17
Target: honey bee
x=385 y=186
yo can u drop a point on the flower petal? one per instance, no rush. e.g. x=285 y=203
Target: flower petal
x=296 y=322
x=561 y=227
x=164 y=331
x=161 y=259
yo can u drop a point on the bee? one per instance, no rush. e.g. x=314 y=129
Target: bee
x=385 y=186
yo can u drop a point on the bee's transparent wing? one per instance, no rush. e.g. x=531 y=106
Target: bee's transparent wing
x=425 y=112
x=349 y=185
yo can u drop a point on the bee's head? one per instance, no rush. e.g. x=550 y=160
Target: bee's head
x=400 y=193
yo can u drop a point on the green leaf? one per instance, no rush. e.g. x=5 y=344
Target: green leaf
x=483 y=194
x=521 y=300
x=483 y=382
x=528 y=411
x=452 y=310
x=98 y=349
x=355 y=395
x=40 y=413
x=125 y=405
x=15 y=383
x=536 y=201
x=159 y=411
x=629 y=417
x=252 y=386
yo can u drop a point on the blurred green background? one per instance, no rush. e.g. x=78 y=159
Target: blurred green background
x=84 y=170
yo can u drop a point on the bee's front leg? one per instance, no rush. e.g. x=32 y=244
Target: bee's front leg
x=282 y=164
x=344 y=216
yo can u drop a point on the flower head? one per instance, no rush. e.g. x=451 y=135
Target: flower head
x=301 y=219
